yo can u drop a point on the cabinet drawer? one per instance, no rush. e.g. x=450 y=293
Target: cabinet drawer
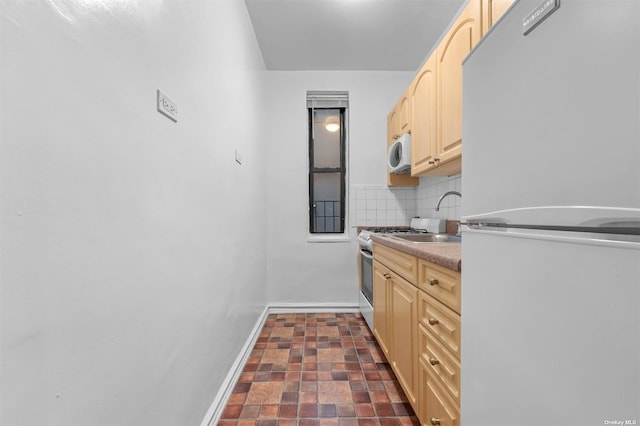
x=401 y=263
x=442 y=322
x=440 y=362
x=441 y=283
x=437 y=408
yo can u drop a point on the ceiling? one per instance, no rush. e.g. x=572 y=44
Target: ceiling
x=381 y=35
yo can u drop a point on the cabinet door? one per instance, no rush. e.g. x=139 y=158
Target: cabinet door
x=392 y=127
x=492 y=10
x=403 y=329
x=463 y=35
x=404 y=111
x=423 y=110
x=380 y=306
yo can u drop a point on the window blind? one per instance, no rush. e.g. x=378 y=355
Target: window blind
x=326 y=99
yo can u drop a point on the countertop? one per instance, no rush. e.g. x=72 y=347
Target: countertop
x=443 y=254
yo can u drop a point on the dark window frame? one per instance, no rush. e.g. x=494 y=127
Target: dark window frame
x=342 y=170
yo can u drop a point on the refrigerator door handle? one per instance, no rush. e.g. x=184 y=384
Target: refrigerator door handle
x=616 y=228
x=575 y=218
x=590 y=222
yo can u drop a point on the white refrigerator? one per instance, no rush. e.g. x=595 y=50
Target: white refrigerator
x=551 y=202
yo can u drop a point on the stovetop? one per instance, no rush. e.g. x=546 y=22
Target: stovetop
x=418 y=225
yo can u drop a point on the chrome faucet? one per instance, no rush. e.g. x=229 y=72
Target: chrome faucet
x=444 y=195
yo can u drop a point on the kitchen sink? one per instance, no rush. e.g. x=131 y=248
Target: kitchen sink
x=428 y=238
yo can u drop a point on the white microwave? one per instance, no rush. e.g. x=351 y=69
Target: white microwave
x=399 y=155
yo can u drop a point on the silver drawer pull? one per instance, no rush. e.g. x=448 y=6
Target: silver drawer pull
x=387 y=276
x=433 y=321
x=433 y=281
x=434 y=361
x=434 y=421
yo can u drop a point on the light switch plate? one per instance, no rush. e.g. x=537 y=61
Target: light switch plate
x=238 y=157
x=166 y=106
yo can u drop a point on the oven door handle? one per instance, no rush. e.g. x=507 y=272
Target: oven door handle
x=366 y=254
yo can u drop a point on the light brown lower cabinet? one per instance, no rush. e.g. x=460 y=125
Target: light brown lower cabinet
x=441 y=363
x=404 y=326
x=442 y=322
x=441 y=283
x=419 y=331
x=380 y=306
x=436 y=408
x=395 y=323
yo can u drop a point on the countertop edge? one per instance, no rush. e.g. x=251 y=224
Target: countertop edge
x=432 y=252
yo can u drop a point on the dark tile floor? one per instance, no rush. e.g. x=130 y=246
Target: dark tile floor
x=317 y=370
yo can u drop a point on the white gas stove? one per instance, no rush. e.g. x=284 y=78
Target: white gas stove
x=418 y=225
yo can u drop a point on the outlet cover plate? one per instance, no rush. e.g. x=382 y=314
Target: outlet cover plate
x=166 y=106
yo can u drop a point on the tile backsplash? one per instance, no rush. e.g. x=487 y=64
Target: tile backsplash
x=430 y=190
x=379 y=205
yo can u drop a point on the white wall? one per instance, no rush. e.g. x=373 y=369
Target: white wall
x=299 y=271
x=127 y=290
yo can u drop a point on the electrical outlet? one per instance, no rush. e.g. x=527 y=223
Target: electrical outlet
x=166 y=106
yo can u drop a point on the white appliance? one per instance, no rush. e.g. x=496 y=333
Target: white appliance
x=399 y=155
x=551 y=245
x=365 y=243
x=365 y=297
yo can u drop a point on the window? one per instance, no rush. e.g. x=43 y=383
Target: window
x=327 y=113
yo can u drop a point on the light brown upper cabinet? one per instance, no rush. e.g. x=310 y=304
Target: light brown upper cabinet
x=492 y=10
x=436 y=99
x=398 y=123
x=399 y=119
x=431 y=109
x=424 y=133
x=457 y=43
x=404 y=111
x=393 y=132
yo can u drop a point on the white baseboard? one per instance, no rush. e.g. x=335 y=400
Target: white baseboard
x=215 y=410
x=285 y=308
x=220 y=401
